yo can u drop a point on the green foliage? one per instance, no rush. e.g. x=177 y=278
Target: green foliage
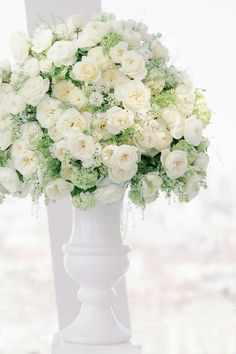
x=110 y=40
x=4 y=157
x=155 y=63
x=163 y=99
x=29 y=114
x=201 y=108
x=52 y=170
x=85 y=179
x=43 y=146
x=81 y=52
x=190 y=149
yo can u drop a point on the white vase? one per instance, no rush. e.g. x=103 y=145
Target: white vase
x=96 y=258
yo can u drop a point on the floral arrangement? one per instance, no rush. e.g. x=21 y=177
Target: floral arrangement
x=92 y=110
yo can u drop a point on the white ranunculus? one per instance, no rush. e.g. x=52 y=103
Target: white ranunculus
x=86 y=70
x=93 y=33
x=109 y=194
x=108 y=153
x=158 y=49
x=48 y=110
x=70 y=123
x=119 y=119
x=81 y=147
x=193 y=130
x=59 y=149
x=104 y=62
x=42 y=40
x=31 y=133
x=174 y=121
x=118 y=175
x=133 y=65
x=57 y=189
x=77 y=98
x=151 y=184
x=31 y=67
x=134 y=95
x=26 y=163
x=125 y=157
x=9 y=179
x=192 y=186
x=62 y=89
x=175 y=162
x=19 y=45
x=34 y=89
x=117 y=51
x=114 y=77
x=202 y=161
x=45 y=65
x=14 y=103
x=63 y=53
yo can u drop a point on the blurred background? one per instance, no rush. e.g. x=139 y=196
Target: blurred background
x=182 y=280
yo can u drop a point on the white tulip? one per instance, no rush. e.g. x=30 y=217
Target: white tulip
x=63 y=53
x=58 y=189
x=175 y=162
x=42 y=40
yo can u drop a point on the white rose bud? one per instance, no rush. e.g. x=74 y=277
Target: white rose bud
x=34 y=89
x=133 y=65
x=151 y=185
x=202 y=161
x=58 y=189
x=175 y=162
x=174 y=121
x=63 y=53
x=193 y=130
x=42 y=40
x=48 y=110
x=117 y=51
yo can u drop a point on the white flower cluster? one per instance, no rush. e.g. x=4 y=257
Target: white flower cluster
x=90 y=110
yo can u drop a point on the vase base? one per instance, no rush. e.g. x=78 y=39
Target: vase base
x=62 y=347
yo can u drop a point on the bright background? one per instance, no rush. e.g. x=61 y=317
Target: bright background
x=182 y=281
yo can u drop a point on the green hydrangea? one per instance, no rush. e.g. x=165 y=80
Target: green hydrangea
x=202 y=147
x=43 y=146
x=4 y=157
x=163 y=99
x=136 y=197
x=51 y=169
x=84 y=201
x=190 y=149
x=85 y=178
x=201 y=108
x=110 y=40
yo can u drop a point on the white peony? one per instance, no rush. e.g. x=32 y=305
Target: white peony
x=151 y=184
x=19 y=45
x=117 y=51
x=93 y=33
x=77 y=98
x=175 y=162
x=62 y=89
x=57 y=189
x=134 y=95
x=14 y=103
x=202 y=161
x=86 y=70
x=31 y=67
x=48 y=111
x=118 y=175
x=9 y=179
x=81 y=147
x=31 y=133
x=42 y=40
x=104 y=62
x=118 y=119
x=63 y=53
x=193 y=130
x=133 y=65
x=26 y=163
x=174 y=121
x=158 y=49
x=113 y=78
x=34 y=89
x=109 y=193
x=192 y=186
x=70 y=123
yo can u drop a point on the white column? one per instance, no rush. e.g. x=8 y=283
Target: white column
x=60 y=214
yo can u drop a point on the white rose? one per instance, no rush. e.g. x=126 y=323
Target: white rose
x=58 y=189
x=119 y=119
x=125 y=156
x=45 y=66
x=158 y=49
x=202 y=161
x=26 y=163
x=101 y=125
x=86 y=70
x=134 y=95
x=19 y=45
x=164 y=139
x=151 y=184
x=77 y=98
x=59 y=150
x=147 y=139
x=70 y=123
x=93 y=33
x=174 y=162
x=192 y=186
x=18 y=148
x=54 y=133
x=62 y=89
x=74 y=22
x=114 y=77
x=6 y=132
x=63 y=53
x=117 y=51
x=193 y=130
x=48 y=111
x=31 y=67
x=68 y=171
x=42 y=40
x=133 y=65
x=174 y=121
x=132 y=37
x=81 y=147
x=104 y=62
x=108 y=153
x=109 y=194
x=31 y=133
x=9 y=179
x=14 y=103
x=34 y=89
x=63 y=31
x=118 y=175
